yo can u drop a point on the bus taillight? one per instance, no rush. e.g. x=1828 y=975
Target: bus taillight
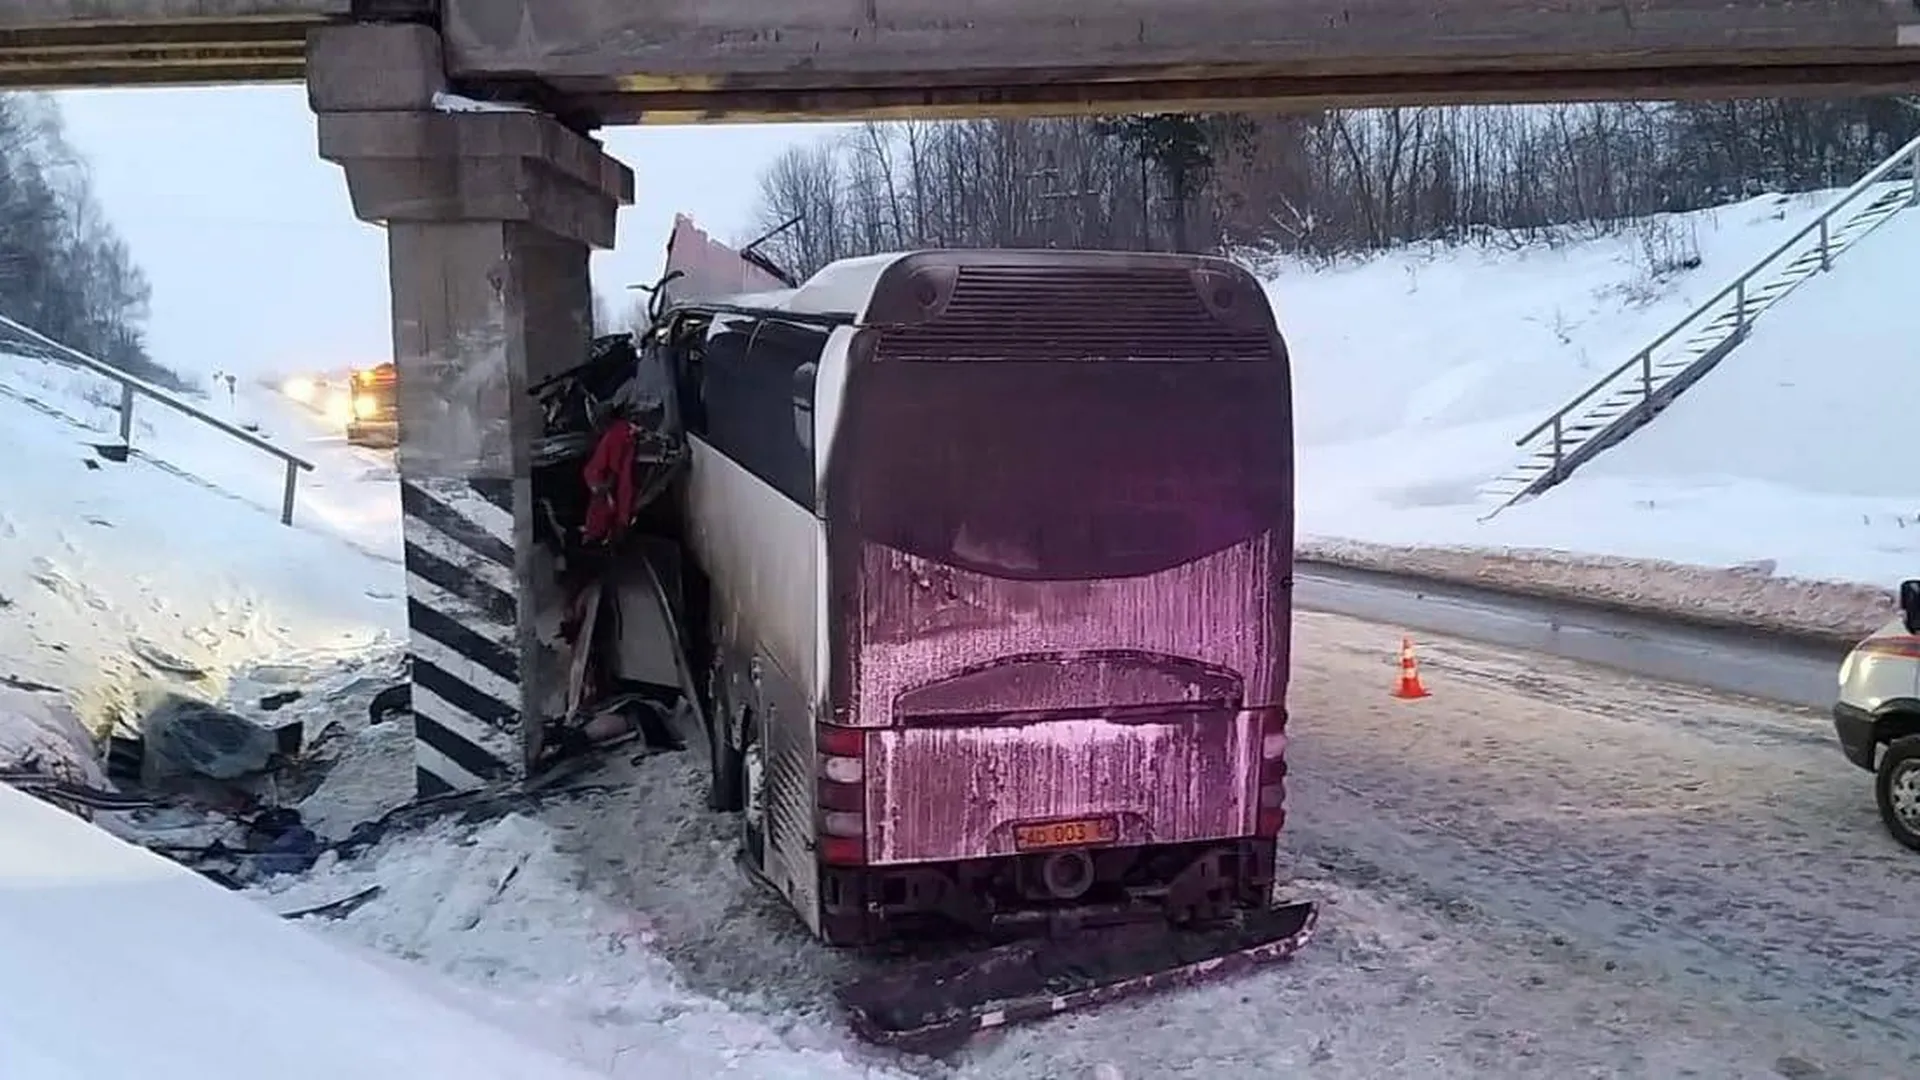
x=1273 y=772
x=843 y=794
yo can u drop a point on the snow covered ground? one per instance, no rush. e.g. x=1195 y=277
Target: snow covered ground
x=1724 y=873
x=1415 y=372
x=120 y=963
x=1543 y=870
x=117 y=578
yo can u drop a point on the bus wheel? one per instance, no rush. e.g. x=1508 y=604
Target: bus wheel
x=727 y=767
x=1897 y=789
x=753 y=774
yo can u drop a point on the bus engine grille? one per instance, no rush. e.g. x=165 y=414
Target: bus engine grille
x=1045 y=313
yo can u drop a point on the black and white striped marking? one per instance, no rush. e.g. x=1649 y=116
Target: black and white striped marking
x=463 y=629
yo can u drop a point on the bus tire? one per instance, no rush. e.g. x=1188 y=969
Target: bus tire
x=1896 y=787
x=726 y=792
x=753 y=818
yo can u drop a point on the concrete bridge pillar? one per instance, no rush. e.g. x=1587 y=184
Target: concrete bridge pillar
x=490 y=216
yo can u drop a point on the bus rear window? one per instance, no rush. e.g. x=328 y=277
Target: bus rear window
x=1066 y=470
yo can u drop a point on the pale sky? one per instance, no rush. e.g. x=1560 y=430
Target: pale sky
x=256 y=260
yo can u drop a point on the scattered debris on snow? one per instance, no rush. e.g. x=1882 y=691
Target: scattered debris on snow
x=40 y=733
x=499 y=910
x=371 y=773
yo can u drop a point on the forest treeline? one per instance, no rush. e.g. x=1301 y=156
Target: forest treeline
x=64 y=271
x=1314 y=186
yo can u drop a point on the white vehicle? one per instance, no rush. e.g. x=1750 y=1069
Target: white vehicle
x=1877 y=715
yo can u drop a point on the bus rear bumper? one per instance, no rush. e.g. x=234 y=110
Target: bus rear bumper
x=1009 y=896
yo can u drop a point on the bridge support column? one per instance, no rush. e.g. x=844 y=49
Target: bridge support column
x=490 y=217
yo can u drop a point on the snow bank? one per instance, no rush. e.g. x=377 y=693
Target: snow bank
x=1414 y=373
x=1741 y=597
x=120 y=963
x=118 y=578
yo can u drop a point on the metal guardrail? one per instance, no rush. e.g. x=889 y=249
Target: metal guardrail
x=132 y=387
x=1738 y=286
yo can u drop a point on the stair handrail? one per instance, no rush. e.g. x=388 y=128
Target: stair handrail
x=1819 y=224
x=133 y=385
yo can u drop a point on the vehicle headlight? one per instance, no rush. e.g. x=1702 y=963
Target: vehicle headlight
x=339 y=409
x=365 y=408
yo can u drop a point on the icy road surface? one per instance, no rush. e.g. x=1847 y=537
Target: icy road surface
x=1544 y=870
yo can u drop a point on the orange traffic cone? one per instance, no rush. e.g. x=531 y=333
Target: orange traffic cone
x=1410 y=686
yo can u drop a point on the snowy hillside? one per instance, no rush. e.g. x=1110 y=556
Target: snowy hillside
x=1416 y=371
x=174 y=569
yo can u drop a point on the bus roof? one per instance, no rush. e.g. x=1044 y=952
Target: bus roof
x=838 y=288
x=842 y=290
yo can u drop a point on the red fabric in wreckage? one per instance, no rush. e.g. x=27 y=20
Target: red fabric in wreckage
x=609 y=477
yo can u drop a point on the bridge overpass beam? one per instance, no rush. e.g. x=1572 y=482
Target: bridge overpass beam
x=490 y=217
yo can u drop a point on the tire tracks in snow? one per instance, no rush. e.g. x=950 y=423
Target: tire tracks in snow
x=1722 y=841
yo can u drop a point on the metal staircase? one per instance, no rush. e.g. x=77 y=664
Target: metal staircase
x=1632 y=394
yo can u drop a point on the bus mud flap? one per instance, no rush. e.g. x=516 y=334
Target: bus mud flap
x=935 y=1006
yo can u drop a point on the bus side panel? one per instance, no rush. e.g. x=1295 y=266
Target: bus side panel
x=761 y=553
x=789 y=795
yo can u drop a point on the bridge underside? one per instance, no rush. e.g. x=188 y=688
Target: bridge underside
x=990 y=94
x=678 y=61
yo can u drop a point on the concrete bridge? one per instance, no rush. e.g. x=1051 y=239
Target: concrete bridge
x=628 y=61
x=491 y=214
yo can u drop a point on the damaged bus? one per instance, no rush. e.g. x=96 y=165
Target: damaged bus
x=987 y=594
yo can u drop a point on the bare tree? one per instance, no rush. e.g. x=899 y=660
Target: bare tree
x=63 y=269
x=1319 y=186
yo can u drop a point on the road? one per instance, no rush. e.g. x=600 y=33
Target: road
x=1719 y=848
x=1753 y=664
x=1548 y=868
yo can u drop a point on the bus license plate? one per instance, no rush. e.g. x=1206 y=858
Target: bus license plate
x=1057 y=834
